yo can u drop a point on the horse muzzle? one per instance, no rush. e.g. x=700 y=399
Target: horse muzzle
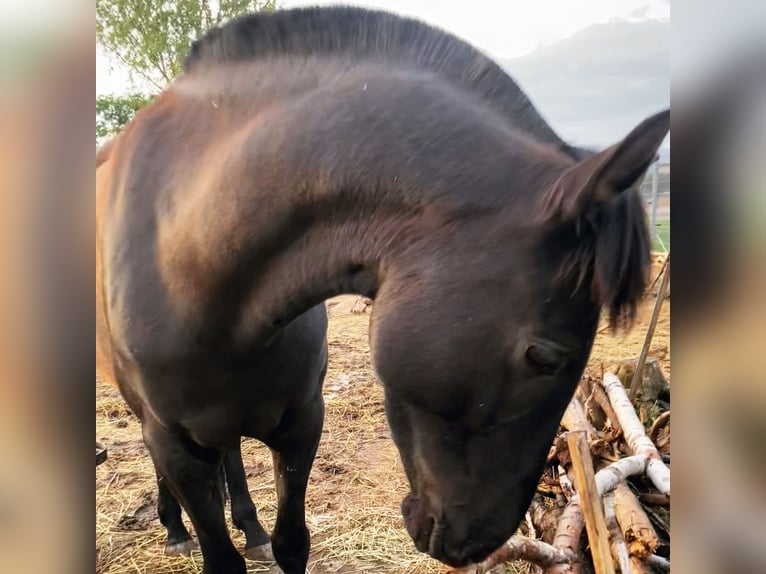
x=440 y=538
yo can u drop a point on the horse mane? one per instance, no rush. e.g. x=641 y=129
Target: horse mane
x=613 y=257
x=343 y=31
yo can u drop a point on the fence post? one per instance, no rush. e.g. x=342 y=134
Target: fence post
x=655 y=194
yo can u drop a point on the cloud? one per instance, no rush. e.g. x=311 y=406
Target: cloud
x=597 y=85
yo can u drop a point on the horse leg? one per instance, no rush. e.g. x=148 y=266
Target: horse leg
x=293 y=449
x=192 y=472
x=179 y=541
x=243 y=512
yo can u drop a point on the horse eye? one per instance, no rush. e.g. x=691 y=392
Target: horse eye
x=543 y=359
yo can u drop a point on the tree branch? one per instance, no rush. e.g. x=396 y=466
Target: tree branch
x=521 y=548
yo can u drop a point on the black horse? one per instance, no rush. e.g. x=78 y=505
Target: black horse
x=310 y=153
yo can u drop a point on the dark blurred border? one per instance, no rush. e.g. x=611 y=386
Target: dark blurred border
x=47 y=81
x=47 y=98
x=719 y=274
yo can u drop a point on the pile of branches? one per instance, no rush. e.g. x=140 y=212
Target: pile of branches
x=608 y=475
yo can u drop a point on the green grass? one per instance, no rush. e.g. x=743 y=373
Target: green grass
x=662 y=241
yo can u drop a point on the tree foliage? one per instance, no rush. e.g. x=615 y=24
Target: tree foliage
x=151 y=37
x=113 y=112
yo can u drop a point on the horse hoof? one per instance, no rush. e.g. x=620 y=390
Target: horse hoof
x=260 y=553
x=180 y=548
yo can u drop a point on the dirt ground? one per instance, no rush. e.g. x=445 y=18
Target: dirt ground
x=356 y=485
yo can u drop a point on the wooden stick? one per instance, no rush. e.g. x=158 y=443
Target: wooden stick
x=659 y=275
x=616 y=541
x=522 y=548
x=576 y=420
x=657 y=425
x=603 y=401
x=635 y=434
x=637 y=530
x=650 y=332
x=595 y=413
x=595 y=524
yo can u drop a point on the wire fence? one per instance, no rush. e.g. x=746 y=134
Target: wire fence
x=655 y=191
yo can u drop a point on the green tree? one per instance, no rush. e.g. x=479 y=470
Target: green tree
x=113 y=112
x=151 y=37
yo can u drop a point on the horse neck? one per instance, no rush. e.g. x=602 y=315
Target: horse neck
x=352 y=254
x=337 y=204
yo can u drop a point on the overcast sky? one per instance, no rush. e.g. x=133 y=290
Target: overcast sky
x=502 y=28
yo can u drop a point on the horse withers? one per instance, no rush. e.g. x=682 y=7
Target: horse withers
x=309 y=153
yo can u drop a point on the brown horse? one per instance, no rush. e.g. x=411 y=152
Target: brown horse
x=243 y=512
x=316 y=152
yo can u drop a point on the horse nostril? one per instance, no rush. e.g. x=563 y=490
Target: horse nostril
x=423 y=539
x=408 y=505
x=436 y=538
x=419 y=520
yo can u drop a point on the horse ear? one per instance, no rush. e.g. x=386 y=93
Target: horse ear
x=604 y=175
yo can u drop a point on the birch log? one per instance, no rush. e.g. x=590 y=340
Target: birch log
x=610 y=476
x=635 y=434
x=637 y=530
x=616 y=541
